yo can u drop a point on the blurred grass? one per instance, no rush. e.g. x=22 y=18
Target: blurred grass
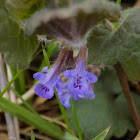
x=32 y=119
x=24 y=102
x=32 y=135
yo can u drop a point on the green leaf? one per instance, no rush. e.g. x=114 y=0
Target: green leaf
x=34 y=120
x=17 y=50
x=31 y=119
x=23 y=9
x=109 y=108
x=69 y=23
x=32 y=135
x=132 y=67
x=102 y=135
x=108 y=46
x=109 y=77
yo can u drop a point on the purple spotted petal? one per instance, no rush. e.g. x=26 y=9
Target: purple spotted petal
x=38 y=75
x=78 y=85
x=91 y=77
x=65 y=98
x=67 y=74
x=45 y=69
x=43 y=91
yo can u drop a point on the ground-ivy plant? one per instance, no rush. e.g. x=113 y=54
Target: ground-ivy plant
x=96 y=74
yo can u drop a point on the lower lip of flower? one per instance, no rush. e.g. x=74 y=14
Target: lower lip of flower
x=77 y=84
x=44 y=88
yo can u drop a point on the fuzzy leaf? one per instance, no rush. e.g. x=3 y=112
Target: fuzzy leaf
x=132 y=67
x=16 y=50
x=71 y=23
x=23 y=9
x=107 y=46
x=107 y=109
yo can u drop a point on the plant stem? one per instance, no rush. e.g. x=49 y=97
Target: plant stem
x=9 y=84
x=119 y=2
x=124 y=83
x=60 y=105
x=135 y=85
x=63 y=113
x=46 y=57
x=25 y=103
x=76 y=120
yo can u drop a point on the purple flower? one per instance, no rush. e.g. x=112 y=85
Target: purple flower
x=64 y=94
x=48 y=78
x=80 y=83
x=45 y=88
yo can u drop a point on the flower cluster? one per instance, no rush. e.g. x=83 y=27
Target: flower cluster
x=79 y=83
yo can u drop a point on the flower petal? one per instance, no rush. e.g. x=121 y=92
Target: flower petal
x=51 y=76
x=65 y=99
x=74 y=72
x=38 y=75
x=57 y=87
x=43 y=91
x=76 y=97
x=81 y=65
x=45 y=69
x=90 y=94
x=67 y=74
x=59 y=80
x=91 y=77
x=78 y=89
x=82 y=73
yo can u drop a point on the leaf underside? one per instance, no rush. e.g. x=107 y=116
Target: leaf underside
x=73 y=22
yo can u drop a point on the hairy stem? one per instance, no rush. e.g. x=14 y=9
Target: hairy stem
x=124 y=83
x=135 y=85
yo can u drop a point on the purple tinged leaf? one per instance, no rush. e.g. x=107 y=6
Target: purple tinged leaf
x=67 y=23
